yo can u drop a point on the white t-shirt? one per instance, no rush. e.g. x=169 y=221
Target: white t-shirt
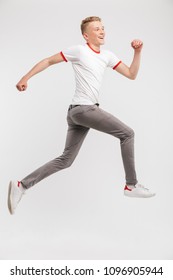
x=89 y=67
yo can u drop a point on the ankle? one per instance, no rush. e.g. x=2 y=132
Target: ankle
x=21 y=186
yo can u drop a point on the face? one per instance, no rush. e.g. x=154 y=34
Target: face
x=94 y=33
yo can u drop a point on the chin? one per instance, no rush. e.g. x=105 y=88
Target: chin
x=101 y=43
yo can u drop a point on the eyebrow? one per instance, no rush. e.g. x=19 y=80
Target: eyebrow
x=99 y=27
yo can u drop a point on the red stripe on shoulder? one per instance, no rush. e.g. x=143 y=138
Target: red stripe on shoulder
x=116 y=65
x=61 y=53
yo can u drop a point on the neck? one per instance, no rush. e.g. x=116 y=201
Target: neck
x=95 y=48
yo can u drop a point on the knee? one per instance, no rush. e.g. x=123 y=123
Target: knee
x=128 y=134
x=66 y=161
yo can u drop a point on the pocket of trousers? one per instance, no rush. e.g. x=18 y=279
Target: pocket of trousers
x=88 y=108
x=75 y=111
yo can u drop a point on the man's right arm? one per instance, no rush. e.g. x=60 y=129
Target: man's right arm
x=40 y=66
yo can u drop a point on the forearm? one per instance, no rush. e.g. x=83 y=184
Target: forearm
x=40 y=66
x=132 y=71
x=134 y=67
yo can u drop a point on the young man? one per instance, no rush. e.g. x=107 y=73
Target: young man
x=89 y=63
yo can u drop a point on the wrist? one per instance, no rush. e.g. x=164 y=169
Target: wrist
x=26 y=77
x=136 y=51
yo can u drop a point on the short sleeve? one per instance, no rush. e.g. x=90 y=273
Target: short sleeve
x=71 y=53
x=113 y=60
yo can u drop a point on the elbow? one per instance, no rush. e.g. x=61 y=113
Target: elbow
x=133 y=78
x=133 y=74
x=47 y=61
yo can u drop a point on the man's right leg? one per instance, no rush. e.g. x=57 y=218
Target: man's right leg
x=75 y=137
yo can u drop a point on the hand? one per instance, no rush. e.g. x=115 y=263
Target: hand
x=137 y=45
x=22 y=84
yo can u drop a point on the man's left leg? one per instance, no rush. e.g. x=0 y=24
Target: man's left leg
x=96 y=118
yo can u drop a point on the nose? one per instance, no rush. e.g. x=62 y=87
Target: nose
x=102 y=32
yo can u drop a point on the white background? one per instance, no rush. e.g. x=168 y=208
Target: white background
x=81 y=212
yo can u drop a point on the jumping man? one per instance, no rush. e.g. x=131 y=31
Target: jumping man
x=89 y=63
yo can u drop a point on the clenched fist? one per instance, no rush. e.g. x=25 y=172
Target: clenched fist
x=137 y=45
x=22 y=84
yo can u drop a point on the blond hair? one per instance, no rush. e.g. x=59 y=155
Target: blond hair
x=86 y=21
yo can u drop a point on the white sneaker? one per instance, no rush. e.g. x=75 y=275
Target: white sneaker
x=137 y=191
x=15 y=192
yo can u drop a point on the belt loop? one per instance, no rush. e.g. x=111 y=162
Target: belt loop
x=72 y=106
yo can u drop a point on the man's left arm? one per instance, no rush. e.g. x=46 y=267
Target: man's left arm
x=132 y=71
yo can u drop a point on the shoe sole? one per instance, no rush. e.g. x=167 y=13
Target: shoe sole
x=134 y=196
x=9 y=198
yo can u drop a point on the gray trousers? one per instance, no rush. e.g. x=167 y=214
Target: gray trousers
x=80 y=119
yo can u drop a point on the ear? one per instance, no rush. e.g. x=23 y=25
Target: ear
x=85 y=35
